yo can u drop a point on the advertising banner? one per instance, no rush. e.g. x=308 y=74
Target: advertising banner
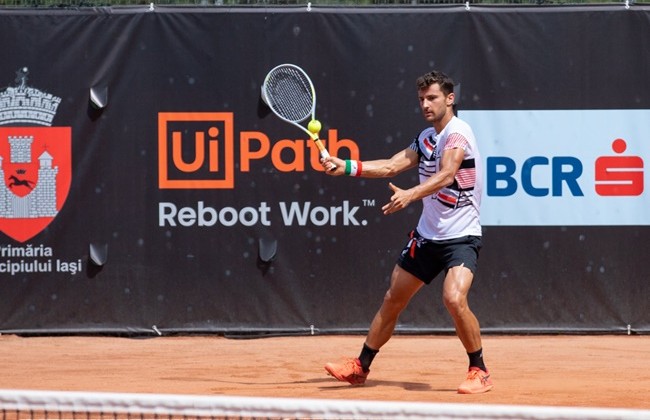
x=564 y=167
x=147 y=189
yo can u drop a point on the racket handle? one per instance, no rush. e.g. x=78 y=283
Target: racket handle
x=323 y=152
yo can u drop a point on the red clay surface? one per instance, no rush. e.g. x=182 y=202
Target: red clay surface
x=581 y=371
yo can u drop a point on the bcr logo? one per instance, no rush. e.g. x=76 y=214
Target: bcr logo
x=619 y=175
x=196 y=150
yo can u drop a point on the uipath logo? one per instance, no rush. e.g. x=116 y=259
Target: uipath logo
x=212 y=163
x=196 y=150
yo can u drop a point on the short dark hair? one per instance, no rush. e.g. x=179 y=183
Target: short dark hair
x=433 y=77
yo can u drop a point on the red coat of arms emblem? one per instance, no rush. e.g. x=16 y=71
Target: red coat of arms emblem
x=35 y=160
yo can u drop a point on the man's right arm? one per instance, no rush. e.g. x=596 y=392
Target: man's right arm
x=379 y=168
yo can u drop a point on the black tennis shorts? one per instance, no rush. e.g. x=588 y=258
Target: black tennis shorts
x=425 y=259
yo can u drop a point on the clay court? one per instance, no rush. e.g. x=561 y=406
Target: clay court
x=578 y=371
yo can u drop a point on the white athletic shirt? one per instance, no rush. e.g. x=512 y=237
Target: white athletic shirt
x=453 y=211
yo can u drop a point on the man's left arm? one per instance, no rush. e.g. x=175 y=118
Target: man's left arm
x=450 y=161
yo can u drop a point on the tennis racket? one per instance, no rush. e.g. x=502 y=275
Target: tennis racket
x=289 y=92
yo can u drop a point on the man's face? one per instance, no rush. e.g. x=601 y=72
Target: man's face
x=434 y=104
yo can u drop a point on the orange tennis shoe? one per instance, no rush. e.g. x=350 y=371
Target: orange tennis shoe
x=348 y=371
x=477 y=382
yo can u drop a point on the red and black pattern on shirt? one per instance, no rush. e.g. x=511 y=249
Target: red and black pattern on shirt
x=428 y=164
x=456 y=141
x=466 y=175
x=459 y=193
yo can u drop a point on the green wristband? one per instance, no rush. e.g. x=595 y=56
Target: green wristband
x=348 y=167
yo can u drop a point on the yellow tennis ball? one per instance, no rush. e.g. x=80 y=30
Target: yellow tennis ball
x=314 y=126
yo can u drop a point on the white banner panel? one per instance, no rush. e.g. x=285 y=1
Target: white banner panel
x=563 y=167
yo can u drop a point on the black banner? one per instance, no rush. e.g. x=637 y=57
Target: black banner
x=152 y=191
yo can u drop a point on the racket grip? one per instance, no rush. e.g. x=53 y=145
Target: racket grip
x=323 y=152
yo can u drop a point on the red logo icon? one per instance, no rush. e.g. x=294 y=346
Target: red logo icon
x=619 y=175
x=35 y=160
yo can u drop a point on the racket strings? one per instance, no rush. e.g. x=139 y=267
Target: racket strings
x=290 y=94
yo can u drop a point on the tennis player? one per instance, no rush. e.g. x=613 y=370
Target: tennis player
x=447 y=237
